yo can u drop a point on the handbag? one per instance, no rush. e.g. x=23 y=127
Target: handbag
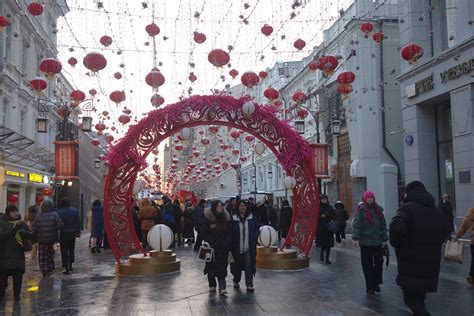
x=27 y=245
x=454 y=251
x=206 y=252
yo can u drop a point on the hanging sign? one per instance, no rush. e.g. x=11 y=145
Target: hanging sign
x=65 y=158
x=321 y=160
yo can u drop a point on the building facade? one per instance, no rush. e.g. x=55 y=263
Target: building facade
x=438 y=98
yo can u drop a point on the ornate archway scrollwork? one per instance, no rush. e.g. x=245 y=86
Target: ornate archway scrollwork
x=128 y=157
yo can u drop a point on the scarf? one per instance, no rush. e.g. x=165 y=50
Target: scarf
x=17 y=235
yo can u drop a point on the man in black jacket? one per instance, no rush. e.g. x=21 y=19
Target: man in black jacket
x=417 y=233
x=68 y=234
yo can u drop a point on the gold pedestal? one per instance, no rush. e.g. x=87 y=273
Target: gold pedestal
x=272 y=259
x=156 y=262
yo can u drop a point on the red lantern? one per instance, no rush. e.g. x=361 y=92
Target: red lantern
x=92 y=92
x=302 y=113
x=299 y=97
x=243 y=158
x=117 y=75
x=179 y=147
x=411 y=52
x=249 y=138
x=213 y=129
x=38 y=84
x=117 y=96
x=366 y=28
x=106 y=40
x=271 y=94
x=72 y=61
x=205 y=141
x=155 y=151
x=127 y=111
x=77 y=95
x=225 y=165
x=100 y=126
x=155 y=79
x=192 y=77
x=35 y=8
x=346 y=77
x=94 y=62
x=313 y=66
x=109 y=138
x=12 y=198
x=3 y=22
x=50 y=67
x=199 y=37
x=124 y=118
x=235 y=134
x=157 y=100
x=218 y=57
x=249 y=79
x=152 y=29
x=235 y=152
x=48 y=191
x=344 y=89
x=95 y=142
x=233 y=73
x=266 y=30
x=263 y=74
x=378 y=37
x=299 y=44
x=328 y=64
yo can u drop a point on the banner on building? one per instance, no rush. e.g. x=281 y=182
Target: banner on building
x=187 y=195
x=321 y=160
x=65 y=159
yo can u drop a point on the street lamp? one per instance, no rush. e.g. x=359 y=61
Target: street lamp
x=299 y=126
x=42 y=125
x=336 y=127
x=87 y=124
x=245 y=181
x=270 y=174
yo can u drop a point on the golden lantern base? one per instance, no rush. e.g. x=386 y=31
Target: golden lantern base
x=156 y=262
x=270 y=258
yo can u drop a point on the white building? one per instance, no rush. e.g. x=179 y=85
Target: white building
x=26 y=157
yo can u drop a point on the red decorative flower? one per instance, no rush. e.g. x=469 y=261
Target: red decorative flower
x=95 y=142
x=235 y=134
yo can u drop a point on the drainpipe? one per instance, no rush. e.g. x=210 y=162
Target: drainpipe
x=382 y=103
x=2 y=36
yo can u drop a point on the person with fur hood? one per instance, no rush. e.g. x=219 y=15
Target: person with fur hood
x=216 y=231
x=146 y=215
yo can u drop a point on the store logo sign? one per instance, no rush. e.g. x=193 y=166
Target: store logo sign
x=34 y=177
x=457 y=71
x=16 y=174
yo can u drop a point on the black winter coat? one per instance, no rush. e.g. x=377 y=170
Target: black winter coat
x=417 y=233
x=260 y=213
x=188 y=218
x=45 y=227
x=71 y=220
x=286 y=214
x=447 y=210
x=12 y=256
x=220 y=240
x=324 y=237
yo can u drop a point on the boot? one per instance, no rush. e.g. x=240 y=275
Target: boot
x=97 y=249
x=93 y=250
x=328 y=250
x=321 y=255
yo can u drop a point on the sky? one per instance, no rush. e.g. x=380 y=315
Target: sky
x=234 y=23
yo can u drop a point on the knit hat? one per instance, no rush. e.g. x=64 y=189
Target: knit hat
x=367 y=195
x=414 y=185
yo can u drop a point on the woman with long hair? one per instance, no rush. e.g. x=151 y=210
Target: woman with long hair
x=217 y=232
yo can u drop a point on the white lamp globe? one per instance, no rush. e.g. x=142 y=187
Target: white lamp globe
x=268 y=236
x=185 y=133
x=259 y=148
x=289 y=182
x=160 y=237
x=248 y=108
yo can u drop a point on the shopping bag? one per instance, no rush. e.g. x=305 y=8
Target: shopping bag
x=454 y=251
x=206 y=252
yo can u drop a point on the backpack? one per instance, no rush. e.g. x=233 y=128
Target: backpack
x=168 y=217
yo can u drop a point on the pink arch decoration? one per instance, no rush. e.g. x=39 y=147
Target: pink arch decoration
x=128 y=156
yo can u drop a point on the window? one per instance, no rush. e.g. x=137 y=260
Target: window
x=5 y=114
x=24 y=57
x=38 y=61
x=439 y=26
x=22 y=122
x=8 y=43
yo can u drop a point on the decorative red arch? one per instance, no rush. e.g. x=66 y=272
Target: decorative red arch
x=128 y=156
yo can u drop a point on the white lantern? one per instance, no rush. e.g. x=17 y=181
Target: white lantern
x=248 y=108
x=160 y=237
x=259 y=148
x=289 y=182
x=268 y=236
x=185 y=133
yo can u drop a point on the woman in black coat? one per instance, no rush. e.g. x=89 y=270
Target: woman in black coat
x=341 y=217
x=417 y=233
x=188 y=218
x=216 y=231
x=325 y=236
x=13 y=232
x=286 y=214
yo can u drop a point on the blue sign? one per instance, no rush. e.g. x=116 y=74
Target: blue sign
x=409 y=140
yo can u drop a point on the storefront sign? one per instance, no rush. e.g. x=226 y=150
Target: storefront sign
x=65 y=158
x=321 y=160
x=457 y=71
x=34 y=177
x=424 y=85
x=12 y=173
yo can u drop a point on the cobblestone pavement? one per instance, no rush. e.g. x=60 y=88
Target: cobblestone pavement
x=337 y=289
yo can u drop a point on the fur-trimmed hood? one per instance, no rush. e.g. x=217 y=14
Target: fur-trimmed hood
x=212 y=218
x=236 y=217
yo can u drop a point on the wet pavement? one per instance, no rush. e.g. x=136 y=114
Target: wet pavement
x=337 y=289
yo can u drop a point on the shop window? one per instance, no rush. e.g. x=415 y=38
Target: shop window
x=439 y=25
x=445 y=151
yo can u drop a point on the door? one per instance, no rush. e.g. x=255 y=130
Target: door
x=344 y=181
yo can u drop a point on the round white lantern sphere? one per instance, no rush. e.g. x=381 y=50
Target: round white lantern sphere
x=185 y=133
x=268 y=236
x=259 y=148
x=289 y=182
x=160 y=237
x=248 y=108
